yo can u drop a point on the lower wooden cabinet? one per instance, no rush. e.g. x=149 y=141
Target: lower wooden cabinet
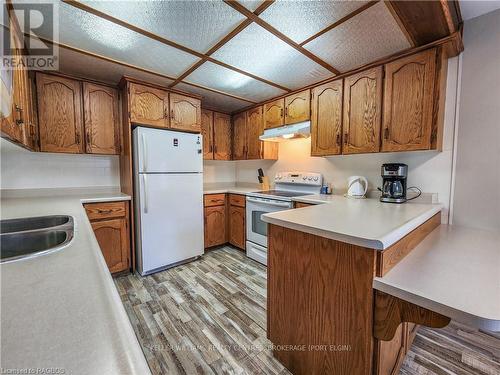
x=110 y=222
x=215 y=226
x=224 y=220
x=390 y=354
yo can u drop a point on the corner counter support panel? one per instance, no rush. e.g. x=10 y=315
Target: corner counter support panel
x=320 y=293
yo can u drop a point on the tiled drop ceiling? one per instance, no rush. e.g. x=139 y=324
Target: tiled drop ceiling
x=219 y=49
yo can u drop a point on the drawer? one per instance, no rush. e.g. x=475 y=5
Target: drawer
x=300 y=204
x=237 y=200
x=105 y=210
x=211 y=200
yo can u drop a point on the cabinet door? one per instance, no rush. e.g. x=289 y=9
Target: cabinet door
x=408 y=102
x=148 y=106
x=237 y=226
x=255 y=128
x=326 y=122
x=390 y=354
x=16 y=127
x=185 y=113
x=362 y=111
x=240 y=139
x=59 y=114
x=215 y=226
x=207 y=132
x=222 y=136
x=102 y=131
x=410 y=336
x=112 y=236
x=274 y=114
x=298 y=107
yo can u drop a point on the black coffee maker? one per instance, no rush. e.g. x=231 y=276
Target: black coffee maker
x=394 y=182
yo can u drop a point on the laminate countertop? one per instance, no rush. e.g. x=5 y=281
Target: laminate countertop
x=363 y=222
x=62 y=310
x=222 y=188
x=454 y=271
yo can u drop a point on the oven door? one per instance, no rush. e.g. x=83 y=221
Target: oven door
x=256 y=207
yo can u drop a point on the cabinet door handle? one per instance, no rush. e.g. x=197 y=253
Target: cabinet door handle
x=77 y=138
x=20 y=120
x=281 y=112
x=165 y=113
x=286 y=111
x=88 y=138
x=346 y=138
x=338 y=139
x=172 y=115
x=386 y=133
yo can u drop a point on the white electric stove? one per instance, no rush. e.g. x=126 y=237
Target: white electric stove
x=287 y=186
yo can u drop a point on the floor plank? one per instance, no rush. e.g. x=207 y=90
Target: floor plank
x=209 y=317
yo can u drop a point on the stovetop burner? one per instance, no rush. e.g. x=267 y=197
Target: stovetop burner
x=282 y=193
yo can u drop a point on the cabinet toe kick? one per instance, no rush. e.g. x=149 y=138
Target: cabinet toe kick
x=391 y=311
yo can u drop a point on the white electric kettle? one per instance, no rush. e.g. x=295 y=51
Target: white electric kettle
x=356 y=187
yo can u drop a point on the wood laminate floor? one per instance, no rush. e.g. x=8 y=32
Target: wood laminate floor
x=209 y=317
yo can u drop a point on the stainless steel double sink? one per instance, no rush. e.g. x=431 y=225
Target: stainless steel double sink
x=34 y=236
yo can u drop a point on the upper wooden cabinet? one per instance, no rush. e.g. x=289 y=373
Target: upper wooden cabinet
x=222 y=136
x=255 y=127
x=207 y=132
x=408 y=102
x=59 y=114
x=149 y=106
x=298 y=107
x=240 y=136
x=102 y=125
x=326 y=121
x=185 y=113
x=274 y=114
x=362 y=111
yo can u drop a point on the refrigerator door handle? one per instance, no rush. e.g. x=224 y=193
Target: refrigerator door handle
x=144 y=184
x=144 y=153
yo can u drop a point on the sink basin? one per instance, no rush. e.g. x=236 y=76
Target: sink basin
x=20 y=245
x=32 y=223
x=34 y=236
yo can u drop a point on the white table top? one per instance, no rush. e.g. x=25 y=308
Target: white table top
x=454 y=271
x=363 y=222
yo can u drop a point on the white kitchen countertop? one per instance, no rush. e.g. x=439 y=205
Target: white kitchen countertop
x=62 y=310
x=454 y=271
x=363 y=222
x=222 y=188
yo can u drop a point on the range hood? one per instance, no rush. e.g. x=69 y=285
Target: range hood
x=283 y=133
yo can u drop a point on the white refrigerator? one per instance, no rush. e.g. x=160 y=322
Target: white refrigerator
x=168 y=183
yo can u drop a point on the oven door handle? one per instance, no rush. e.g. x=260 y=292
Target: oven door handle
x=284 y=204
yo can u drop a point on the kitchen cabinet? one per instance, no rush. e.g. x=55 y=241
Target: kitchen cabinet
x=102 y=125
x=185 y=113
x=408 y=102
x=274 y=114
x=148 y=106
x=298 y=107
x=207 y=132
x=222 y=136
x=110 y=222
x=237 y=223
x=215 y=219
x=240 y=136
x=326 y=121
x=362 y=111
x=60 y=114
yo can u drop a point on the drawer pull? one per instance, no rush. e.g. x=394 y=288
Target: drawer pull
x=104 y=211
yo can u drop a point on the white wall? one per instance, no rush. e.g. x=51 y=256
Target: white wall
x=22 y=169
x=429 y=170
x=477 y=182
x=219 y=171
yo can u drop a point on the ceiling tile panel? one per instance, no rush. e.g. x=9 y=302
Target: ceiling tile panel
x=78 y=64
x=194 y=24
x=214 y=100
x=368 y=36
x=300 y=20
x=83 y=30
x=257 y=51
x=222 y=79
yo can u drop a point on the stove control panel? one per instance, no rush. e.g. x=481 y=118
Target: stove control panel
x=303 y=178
